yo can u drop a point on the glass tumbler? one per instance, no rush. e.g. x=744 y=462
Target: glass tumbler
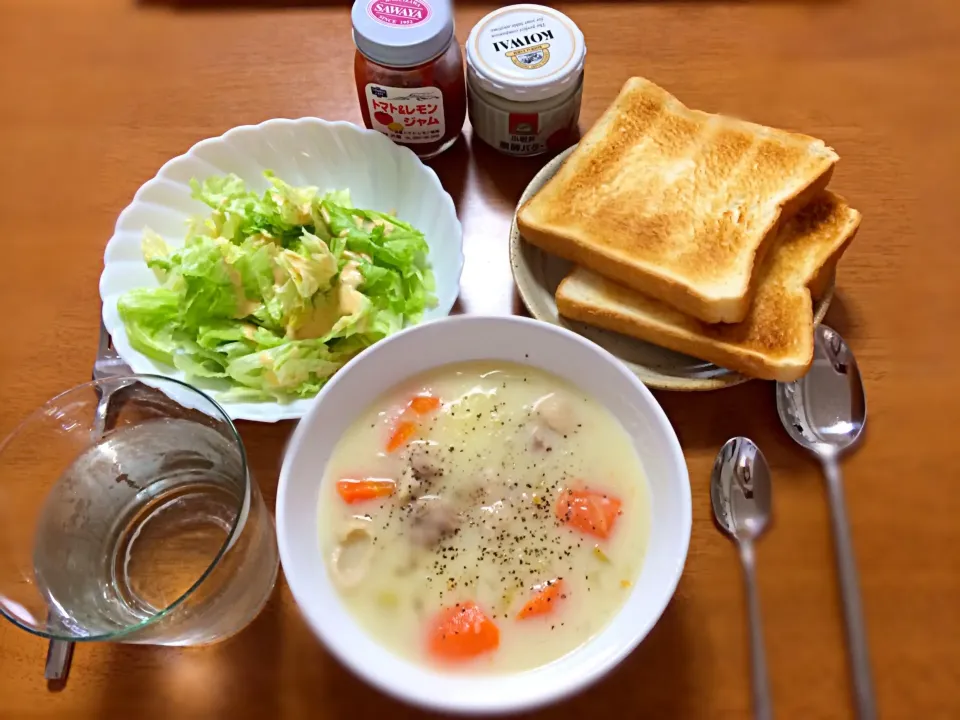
x=133 y=519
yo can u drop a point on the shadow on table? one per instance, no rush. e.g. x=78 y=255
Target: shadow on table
x=452 y=167
x=653 y=682
x=843 y=316
x=151 y=681
x=166 y=682
x=501 y=178
x=704 y=421
x=266 y=445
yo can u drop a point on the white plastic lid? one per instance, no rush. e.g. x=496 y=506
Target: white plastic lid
x=402 y=33
x=526 y=52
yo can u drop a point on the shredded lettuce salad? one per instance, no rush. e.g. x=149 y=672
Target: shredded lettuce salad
x=275 y=292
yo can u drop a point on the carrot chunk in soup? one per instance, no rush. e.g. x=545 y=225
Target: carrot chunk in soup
x=423 y=404
x=461 y=632
x=401 y=435
x=545 y=599
x=352 y=490
x=588 y=511
x=405 y=429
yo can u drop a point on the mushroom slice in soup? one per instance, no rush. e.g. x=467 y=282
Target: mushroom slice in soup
x=553 y=416
x=556 y=411
x=351 y=557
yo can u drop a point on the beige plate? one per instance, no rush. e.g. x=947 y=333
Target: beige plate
x=538 y=274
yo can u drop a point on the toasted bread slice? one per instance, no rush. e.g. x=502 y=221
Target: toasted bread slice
x=775 y=341
x=676 y=203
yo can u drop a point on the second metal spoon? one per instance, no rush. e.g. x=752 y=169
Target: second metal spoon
x=740 y=495
x=825 y=412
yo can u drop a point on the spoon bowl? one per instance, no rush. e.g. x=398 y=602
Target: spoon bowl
x=740 y=489
x=826 y=410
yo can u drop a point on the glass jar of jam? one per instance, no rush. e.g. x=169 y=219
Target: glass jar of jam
x=409 y=72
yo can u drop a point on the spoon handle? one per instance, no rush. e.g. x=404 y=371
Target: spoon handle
x=850 y=590
x=59 y=655
x=762 y=707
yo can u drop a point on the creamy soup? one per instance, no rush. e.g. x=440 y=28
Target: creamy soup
x=484 y=516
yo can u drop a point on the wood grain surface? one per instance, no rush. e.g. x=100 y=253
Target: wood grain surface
x=96 y=94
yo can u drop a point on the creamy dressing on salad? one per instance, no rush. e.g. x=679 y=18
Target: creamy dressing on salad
x=342 y=300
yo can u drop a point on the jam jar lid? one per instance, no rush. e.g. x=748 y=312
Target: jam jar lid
x=402 y=33
x=526 y=53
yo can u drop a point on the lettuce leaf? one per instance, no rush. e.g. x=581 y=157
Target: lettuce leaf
x=276 y=291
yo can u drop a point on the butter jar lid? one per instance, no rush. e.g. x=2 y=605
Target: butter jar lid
x=402 y=33
x=526 y=53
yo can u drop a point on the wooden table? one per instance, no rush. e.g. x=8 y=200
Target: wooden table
x=96 y=94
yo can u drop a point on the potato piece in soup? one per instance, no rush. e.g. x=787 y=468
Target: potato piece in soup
x=507 y=513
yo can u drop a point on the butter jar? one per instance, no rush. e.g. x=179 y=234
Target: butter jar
x=525 y=79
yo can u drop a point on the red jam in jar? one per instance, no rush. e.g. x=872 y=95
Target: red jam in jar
x=409 y=72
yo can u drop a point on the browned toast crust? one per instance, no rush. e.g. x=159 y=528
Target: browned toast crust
x=676 y=203
x=775 y=340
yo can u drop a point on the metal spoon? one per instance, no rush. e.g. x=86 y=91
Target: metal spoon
x=740 y=494
x=825 y=412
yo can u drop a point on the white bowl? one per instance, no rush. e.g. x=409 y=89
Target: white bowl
x=331 y=155
x=460 y=339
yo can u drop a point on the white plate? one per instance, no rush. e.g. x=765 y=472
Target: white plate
x=459 y=339
x=537 y=275
x=331 y=155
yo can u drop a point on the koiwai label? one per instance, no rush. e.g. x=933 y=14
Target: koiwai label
x=526 y=133
x=538 y=45
x=406 y=115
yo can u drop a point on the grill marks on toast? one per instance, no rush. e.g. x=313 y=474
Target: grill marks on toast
x=724 y=152
x=701 y=177
x=668 y=194
x=774 y=341
x=665 y=165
